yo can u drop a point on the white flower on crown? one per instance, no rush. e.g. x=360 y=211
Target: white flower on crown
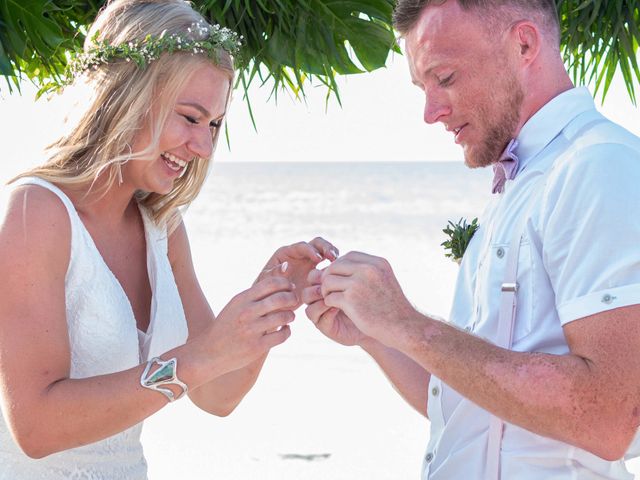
x=145 y=51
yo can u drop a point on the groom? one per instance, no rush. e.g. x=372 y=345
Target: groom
x=537 y=372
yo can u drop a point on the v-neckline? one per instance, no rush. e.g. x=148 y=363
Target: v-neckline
x=148 y=256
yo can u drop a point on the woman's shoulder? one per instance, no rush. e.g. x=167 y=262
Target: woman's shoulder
x=34 y=221
x=35 y=203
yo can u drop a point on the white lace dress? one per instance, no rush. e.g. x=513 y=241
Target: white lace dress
x=104 y=339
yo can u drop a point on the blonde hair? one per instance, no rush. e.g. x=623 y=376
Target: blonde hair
x=99 y=142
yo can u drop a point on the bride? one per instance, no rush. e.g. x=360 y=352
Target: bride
x=102 y=319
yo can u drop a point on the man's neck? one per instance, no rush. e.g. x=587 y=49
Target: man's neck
x=542 y=87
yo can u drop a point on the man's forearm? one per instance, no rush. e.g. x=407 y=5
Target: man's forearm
x=565 y=397
x=408 y=378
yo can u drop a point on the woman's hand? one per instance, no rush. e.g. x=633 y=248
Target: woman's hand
x=294 y=262
x=252 y=323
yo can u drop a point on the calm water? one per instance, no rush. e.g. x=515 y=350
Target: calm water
x=396 y=210
x=319 y=410
x=330 y=196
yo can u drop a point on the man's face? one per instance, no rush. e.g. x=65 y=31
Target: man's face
x=469 y=79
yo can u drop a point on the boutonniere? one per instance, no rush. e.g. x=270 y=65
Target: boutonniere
x=459 y=235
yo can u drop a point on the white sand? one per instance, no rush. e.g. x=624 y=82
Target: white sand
x=319 y=410
x=324 y=414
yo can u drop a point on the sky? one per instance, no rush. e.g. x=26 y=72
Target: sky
x=380 y=119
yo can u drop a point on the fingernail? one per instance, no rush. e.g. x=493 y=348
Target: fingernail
x=318 y=256
x=284 y=266
x=334 y=252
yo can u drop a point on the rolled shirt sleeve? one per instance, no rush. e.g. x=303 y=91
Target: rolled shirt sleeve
x=591 y=230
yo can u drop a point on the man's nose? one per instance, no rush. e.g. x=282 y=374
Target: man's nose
x=435 y=107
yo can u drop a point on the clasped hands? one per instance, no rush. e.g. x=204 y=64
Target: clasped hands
x=356 y=298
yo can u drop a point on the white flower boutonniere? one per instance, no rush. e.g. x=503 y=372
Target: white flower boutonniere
x=459 y=235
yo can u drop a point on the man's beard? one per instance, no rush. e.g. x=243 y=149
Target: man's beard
x=504 y=122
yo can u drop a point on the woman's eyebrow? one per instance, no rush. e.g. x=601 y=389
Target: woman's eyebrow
x=197 y=106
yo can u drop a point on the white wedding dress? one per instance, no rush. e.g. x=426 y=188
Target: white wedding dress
x=104 y=338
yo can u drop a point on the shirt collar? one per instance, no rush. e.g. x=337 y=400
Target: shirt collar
x=549 y=121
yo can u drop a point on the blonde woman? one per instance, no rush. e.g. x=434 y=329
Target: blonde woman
x=102 y=320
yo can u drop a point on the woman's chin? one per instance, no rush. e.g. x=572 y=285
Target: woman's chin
x=165 y=191
x=161 y=188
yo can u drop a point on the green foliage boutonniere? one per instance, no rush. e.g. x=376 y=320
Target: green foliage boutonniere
x=460 y=235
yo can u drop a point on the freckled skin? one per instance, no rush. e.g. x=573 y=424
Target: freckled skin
x=491 y=117
x=581 y=398
x=590 y=397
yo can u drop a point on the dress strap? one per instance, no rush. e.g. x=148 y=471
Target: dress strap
x=73 y=213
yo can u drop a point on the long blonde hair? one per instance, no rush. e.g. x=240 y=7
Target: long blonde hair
x=99 y=142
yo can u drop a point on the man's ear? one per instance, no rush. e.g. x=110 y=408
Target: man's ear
x=528 y=39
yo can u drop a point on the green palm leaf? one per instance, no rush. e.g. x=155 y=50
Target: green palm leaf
x=291 y=43
x=598 y=38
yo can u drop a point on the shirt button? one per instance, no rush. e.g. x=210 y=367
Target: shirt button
x=608 y=298
x=429 y=457
x=435 y=391
x=500 y=252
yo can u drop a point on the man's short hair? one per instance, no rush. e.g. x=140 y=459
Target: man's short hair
x=407 y=12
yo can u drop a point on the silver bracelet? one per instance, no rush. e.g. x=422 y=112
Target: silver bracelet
x=165 y=374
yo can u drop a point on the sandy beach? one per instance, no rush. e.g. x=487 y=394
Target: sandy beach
x=325 y=413
x=319 y=410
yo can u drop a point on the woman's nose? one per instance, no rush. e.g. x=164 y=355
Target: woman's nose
x=201 y=143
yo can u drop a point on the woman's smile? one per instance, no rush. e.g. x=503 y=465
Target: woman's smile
x=175 y=164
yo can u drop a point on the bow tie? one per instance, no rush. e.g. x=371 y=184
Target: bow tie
x=506 y=168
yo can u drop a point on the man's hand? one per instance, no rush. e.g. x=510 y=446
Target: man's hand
x=407 y=376
x=365 y=288
x=330 y=321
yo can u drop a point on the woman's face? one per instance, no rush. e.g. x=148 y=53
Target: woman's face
x=187 y=134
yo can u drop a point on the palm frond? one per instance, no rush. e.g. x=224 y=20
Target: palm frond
x=598 y=38
x=293 y=43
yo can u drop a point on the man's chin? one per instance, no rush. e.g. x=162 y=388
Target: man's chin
x=473 y=160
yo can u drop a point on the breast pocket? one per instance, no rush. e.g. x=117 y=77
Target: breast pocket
x=491 y=276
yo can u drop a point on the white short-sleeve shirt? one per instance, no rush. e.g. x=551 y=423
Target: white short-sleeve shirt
x=579 y=255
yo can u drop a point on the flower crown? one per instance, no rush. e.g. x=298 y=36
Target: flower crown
x=146 y=51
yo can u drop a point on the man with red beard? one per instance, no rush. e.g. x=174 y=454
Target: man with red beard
x=537 y=372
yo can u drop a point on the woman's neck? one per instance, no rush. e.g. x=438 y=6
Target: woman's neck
x=110 y=204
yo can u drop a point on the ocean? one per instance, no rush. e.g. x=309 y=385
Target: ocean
x=396 y=210
x=318 y=410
